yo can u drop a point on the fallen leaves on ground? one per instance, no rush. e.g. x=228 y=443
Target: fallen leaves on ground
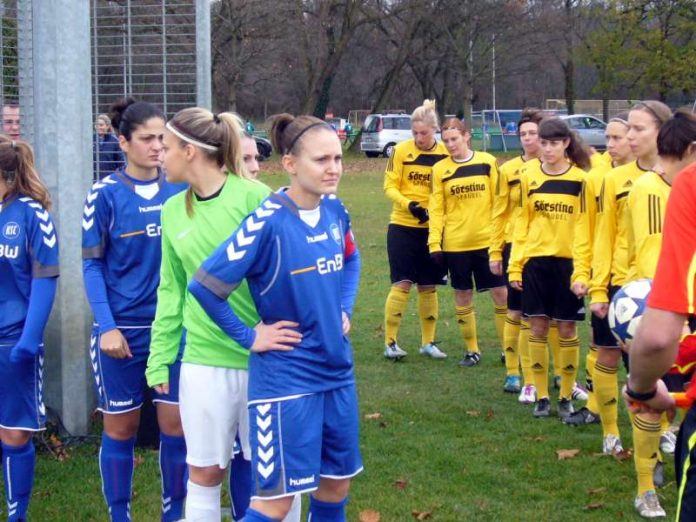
x=57 y=448
x=622 y=455
x=490 y=414
x=567 y=454
x=370 y=515
x=138 y=460
x=371 y=416
x=421 y=515
x=473 y=413
x=593 y=506
x=400 y=484
x=596 y=491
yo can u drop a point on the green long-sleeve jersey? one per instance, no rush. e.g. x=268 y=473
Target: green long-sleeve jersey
x=186 y=242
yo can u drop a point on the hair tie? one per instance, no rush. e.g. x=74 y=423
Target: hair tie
x=189 y=139
x=216 y=118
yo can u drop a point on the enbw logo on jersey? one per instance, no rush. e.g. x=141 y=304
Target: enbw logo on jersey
x=335 y=233
x=327 y=266
x=11 y=230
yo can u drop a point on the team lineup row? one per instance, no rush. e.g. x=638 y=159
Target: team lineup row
x=210 y=289
x=541 y=232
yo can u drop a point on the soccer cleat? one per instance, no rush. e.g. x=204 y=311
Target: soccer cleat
x=668 y=442
x=527 y=395
x=542 y=408
x=512 y=384
x=578 y=393
x=470 y=359
x=392 y=351
x=582 y=417
x=648 y=505
x=611 y=445
x=431 y=350
x=659 y=474
x=565 y=409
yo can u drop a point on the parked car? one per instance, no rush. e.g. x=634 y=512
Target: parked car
x=382 y=131
x=589 y=128
x=264 y=147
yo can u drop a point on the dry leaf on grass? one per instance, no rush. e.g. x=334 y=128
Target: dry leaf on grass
x=369 y=515
x=566 y=454
x=593 y=506
x=490 y=414
x=473 y=413
x=400 y=484
x=375 y=415
x=596 y=491
x=622 y=455
x=57 y=448
x=421 y=515
x=138 y=460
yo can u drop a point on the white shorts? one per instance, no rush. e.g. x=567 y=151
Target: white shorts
x=213 y=405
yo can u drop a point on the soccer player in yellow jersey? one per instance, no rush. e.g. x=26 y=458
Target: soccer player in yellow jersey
x=407 y=183
x=610 y=258
x=619 y=151
x=461 y=206
x=550 y=259
x=506 y=208
x=644 y=217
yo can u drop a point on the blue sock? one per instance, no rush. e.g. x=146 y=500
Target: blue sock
x=18 y=470
x=254 y=516
x=116 y=468
x=174 y=471
x=326 y=511
x=240 y=485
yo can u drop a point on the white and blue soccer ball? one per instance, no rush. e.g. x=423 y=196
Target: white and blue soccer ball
x=627 y=307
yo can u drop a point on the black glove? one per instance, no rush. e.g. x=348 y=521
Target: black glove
x=418 y=212
x=438 y=258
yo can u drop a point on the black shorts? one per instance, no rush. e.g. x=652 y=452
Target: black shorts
x=409 y=259
x=686 y=449
x=601 y=333
x=469 y=268
x=514 y=296
x=546 y=290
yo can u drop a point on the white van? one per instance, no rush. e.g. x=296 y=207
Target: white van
x=382 y=131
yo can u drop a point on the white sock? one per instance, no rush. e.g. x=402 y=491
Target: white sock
x=295 y=510
x=203 y=503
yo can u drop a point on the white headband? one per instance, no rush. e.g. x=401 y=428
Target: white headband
x=189 y=139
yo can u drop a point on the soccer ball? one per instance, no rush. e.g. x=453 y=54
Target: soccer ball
x=627 y=308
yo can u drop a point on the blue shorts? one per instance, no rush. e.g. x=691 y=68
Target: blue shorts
x=296 y=441
x=21 y=391
x=120 y=383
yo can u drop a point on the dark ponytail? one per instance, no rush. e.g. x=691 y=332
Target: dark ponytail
x=557 y=129
x=677 y=134
x=127 y=114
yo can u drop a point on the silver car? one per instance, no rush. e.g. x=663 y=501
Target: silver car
x=381 y=132
x=589 y=128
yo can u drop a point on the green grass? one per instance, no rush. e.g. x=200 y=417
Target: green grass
x=448 y=440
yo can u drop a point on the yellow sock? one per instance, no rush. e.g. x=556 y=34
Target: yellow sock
x=664 y=422
x=605 y=384
x=555 y=346
x=569 y=358
x=646 y=444
x=466 y=319
x=511 y=336
x=394 y=309
x=523 y=348
x=539 y=358
x=500 y=316
x=427 y=312
x=590 y=362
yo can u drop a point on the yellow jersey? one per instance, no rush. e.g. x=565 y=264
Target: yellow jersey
x=644 y=215
x=461 y=203
x=595 y=178
x=553 y=220
x=610 y=250
x=409 y=178
x=506 y=206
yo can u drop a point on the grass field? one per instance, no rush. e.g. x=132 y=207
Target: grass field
x=439 y=442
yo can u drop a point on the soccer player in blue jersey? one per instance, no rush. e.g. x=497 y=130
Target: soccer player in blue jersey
x=121 y=253
x=299 y=258
x=29 y=268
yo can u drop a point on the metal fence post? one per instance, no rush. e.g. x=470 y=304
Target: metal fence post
x=63 y=144
x=204 y=93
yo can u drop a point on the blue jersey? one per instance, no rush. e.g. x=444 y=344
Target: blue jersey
x=121 y=228
x=28 y=250
x=295 y=272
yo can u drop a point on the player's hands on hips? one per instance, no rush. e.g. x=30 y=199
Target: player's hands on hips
x=23 y=351
x=276 y=336
x=579 y=289
x=662 y=401
x=600 y=309
x=496 y=267
x=162 y=389
x=113 y=344
x=517 y=285
x=345 y=323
